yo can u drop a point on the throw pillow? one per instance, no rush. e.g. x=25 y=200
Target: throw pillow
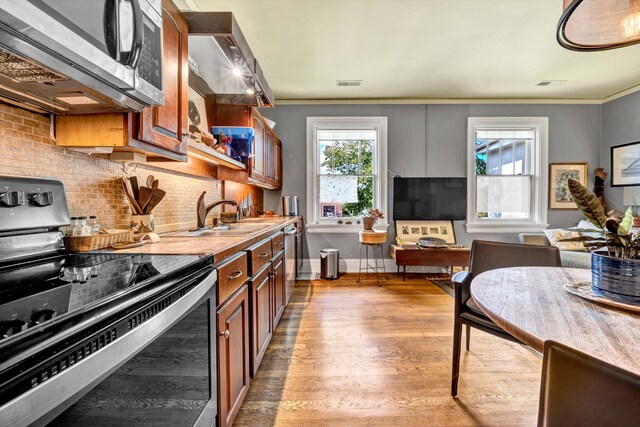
x=586 y=225
x=557 y=236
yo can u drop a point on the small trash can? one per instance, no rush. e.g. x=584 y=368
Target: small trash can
x=329 y=264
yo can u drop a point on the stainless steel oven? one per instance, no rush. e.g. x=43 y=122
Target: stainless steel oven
x=99 y=338
x=147 y=356
x=113 y=47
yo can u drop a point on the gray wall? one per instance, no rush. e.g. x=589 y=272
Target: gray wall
x=430 y=140
x=620 y=125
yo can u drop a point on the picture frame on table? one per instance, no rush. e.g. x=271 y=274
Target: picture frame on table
x=559 y=175
x=625 y=165
x=410 y=232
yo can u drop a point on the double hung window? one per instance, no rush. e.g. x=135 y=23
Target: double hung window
x=346 y=170
x=507 y=180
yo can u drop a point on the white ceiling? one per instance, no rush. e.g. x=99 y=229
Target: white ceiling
x=408 y=50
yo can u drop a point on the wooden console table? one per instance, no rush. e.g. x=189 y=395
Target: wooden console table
x=440 y=257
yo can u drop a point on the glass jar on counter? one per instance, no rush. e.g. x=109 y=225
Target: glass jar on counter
x=70 y=229
x=83 y=229
x=93 y=223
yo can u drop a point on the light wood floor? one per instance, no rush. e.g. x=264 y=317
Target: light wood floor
x=348 y=354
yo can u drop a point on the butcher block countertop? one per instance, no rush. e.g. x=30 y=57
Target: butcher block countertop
x=218 y=246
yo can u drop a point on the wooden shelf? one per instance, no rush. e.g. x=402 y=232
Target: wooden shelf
x=210 y=155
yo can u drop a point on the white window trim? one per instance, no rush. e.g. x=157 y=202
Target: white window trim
x=313 y=123
x=540 y=178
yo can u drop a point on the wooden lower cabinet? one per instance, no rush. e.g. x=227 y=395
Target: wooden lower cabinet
x=233 y=355
x=278 y=285
x=246 y=318
x=260 y=318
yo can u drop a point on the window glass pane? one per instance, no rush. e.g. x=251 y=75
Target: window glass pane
x=339 y=157
x=365 y=197
x=346 y=134
x=345 y=196
x=505 y=197
x=493 y=159
x=506 y=161
x=520 y=158
x=366 y=157
x=338 y=189
x=326 y=158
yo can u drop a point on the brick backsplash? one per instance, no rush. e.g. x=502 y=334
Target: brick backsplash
x=92 y=183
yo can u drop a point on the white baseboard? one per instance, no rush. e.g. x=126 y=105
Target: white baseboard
x=311 y=267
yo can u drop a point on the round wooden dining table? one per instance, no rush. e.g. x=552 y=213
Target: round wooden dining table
x=532 y=304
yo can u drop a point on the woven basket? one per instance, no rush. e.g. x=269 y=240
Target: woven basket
x=99 y=241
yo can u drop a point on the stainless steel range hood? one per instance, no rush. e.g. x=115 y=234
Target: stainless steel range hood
x=29 y=85
x=49 y=64
x=216 y=48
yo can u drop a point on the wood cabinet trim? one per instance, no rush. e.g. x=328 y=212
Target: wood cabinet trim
x=232 y=273
x=259 y=255
x=278 y=286
x=260 y=317
x=228 y=406
x=151 y=129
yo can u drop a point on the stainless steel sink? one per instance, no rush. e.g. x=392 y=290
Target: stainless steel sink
x=229 y=230
x=241 y=226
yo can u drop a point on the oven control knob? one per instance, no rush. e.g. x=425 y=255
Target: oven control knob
x=11 y=327
x=42 y=316
x=41 y=199
x=11 y=199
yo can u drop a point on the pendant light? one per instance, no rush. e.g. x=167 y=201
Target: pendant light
x=589 y=25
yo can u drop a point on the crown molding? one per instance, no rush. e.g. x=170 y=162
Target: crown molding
x=414 y=101
x=620 y=94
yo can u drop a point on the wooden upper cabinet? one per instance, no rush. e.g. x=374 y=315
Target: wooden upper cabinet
x=274 y=160
x=159 y=131
x=265 y=167
x=257 y=169
x=278 y=183
x=166 y=125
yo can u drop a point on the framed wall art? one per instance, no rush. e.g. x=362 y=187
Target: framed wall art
x=409 y=232
x=559 y=175
x=197 y=113
x=625 y=165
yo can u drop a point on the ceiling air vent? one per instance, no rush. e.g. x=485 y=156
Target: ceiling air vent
x=551 y=82
x=346 y=83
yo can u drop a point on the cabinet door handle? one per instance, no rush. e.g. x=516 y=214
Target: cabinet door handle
x=279 y=243
x=235 y=275
x=225 y=334
x=263 y=255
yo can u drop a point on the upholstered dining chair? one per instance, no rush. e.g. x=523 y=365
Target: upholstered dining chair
x=579 y=390
x=487 y=256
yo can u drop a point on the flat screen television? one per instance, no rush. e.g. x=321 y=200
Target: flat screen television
x=429 y=198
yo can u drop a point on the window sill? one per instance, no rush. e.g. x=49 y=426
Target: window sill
x=340 y=228
x=504 y=228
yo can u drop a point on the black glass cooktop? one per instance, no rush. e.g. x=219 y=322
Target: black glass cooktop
x=38 y=293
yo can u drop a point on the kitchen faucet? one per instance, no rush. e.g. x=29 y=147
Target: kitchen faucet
x=203 y=211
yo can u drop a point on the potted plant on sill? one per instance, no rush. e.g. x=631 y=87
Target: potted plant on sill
x=615 y=266
x=370 y=217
